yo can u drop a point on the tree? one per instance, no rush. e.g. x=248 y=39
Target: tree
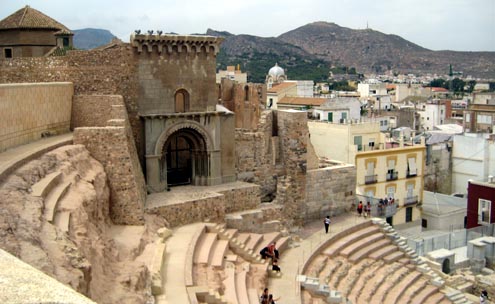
x=471 y=84
x=438 y=83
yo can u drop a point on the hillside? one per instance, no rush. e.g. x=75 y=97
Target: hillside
x=308 y=51
x=257 y=55
x=91 y=38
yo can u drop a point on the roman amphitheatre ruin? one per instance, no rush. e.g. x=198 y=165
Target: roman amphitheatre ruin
x=129 y=176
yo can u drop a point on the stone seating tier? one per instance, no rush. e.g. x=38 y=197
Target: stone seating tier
x=349 y=239
x=367 y=266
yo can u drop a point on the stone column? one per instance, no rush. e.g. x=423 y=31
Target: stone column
x=153 y=174
x=215 y=177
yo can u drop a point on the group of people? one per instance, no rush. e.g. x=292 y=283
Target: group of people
x=267 y=298
x=271 y=252
x=366 y=209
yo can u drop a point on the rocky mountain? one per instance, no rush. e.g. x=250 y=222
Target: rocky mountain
x=91 y=38
x=257 y=55
x=322 y=45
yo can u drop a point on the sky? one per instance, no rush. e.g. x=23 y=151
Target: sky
x=460 y=25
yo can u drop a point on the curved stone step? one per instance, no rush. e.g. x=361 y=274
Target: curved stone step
x=437 y=298
x=268 y=238
x=337 y=271
x=366 y=251
x=241 y=287
x=393 y=257
x=359 y=244
x=230 y=284
x=413 y=289
x=353 y=275
x=359 y=285
x=349 y=239
x=382 y=252
x=46 y=184
x=254 y=240
x=52 y=199
x=203 y=250
x=62 y=220
x=375 y=280
x=399 y=289
x=390 y=282
x=218 y=251
x=318 y=264
x=425 y=295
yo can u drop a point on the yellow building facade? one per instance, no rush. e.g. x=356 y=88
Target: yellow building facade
x=394 y=173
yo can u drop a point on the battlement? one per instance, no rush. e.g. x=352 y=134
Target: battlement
x=176 y=43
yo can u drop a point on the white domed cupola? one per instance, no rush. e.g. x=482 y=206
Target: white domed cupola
x=275 y=75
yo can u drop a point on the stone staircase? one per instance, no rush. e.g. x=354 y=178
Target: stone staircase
x=52 y=190
x=217 y=252
x=372 y=264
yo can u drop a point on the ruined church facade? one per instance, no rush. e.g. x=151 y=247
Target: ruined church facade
x=188 y=138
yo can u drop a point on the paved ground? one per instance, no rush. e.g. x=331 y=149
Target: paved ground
x=291 y=261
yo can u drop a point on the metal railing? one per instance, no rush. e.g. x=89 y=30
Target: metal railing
x=411 y=200
x=378 y=208
x=408 y=174
x=392 y=176
x=450 y=240
x=370 y=179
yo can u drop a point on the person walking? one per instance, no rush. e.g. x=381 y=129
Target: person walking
x=326 y=221
x=360 y=208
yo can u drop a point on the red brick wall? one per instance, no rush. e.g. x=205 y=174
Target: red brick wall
x=475 y=192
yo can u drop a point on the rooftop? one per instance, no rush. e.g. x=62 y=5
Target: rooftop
x=282 y=86
x=442 y=204
x=302 y=101
x=29 y=18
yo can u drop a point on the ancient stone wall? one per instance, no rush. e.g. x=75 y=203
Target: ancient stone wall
x=246 y=100
x=172 y=64
x=294 y=135
x=438 y=168
x=31 y=111
x=110 y=71
x=329 y=191
x=113 y=146
x=255 y=160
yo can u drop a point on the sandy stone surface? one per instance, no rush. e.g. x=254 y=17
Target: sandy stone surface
x=86 y=258
x=22 y=283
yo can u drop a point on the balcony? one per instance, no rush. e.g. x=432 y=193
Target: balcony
x=386 y=210
x=370 y=179
x=378 y=209
x=411 y=200
x=392 y=175
x=410 y=174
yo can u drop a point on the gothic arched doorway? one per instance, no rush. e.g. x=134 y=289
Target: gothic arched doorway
x=184 y=158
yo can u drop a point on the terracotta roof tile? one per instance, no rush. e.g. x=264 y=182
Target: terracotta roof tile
x=302 y=101
x=29 y=18
x=281 y=86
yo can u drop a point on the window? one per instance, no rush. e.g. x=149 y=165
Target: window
x=409 y=214
x=358 y=141
x=424 y=223
x=484 y=211
x=270 y=102
x=7 y=53
x=181 y=101
x=371 y=142
x=468 y=117
x=411 y=167
x=246 y=93
x=391 y=192
x=484 y=119
x=410 y=190
x=65 y=41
